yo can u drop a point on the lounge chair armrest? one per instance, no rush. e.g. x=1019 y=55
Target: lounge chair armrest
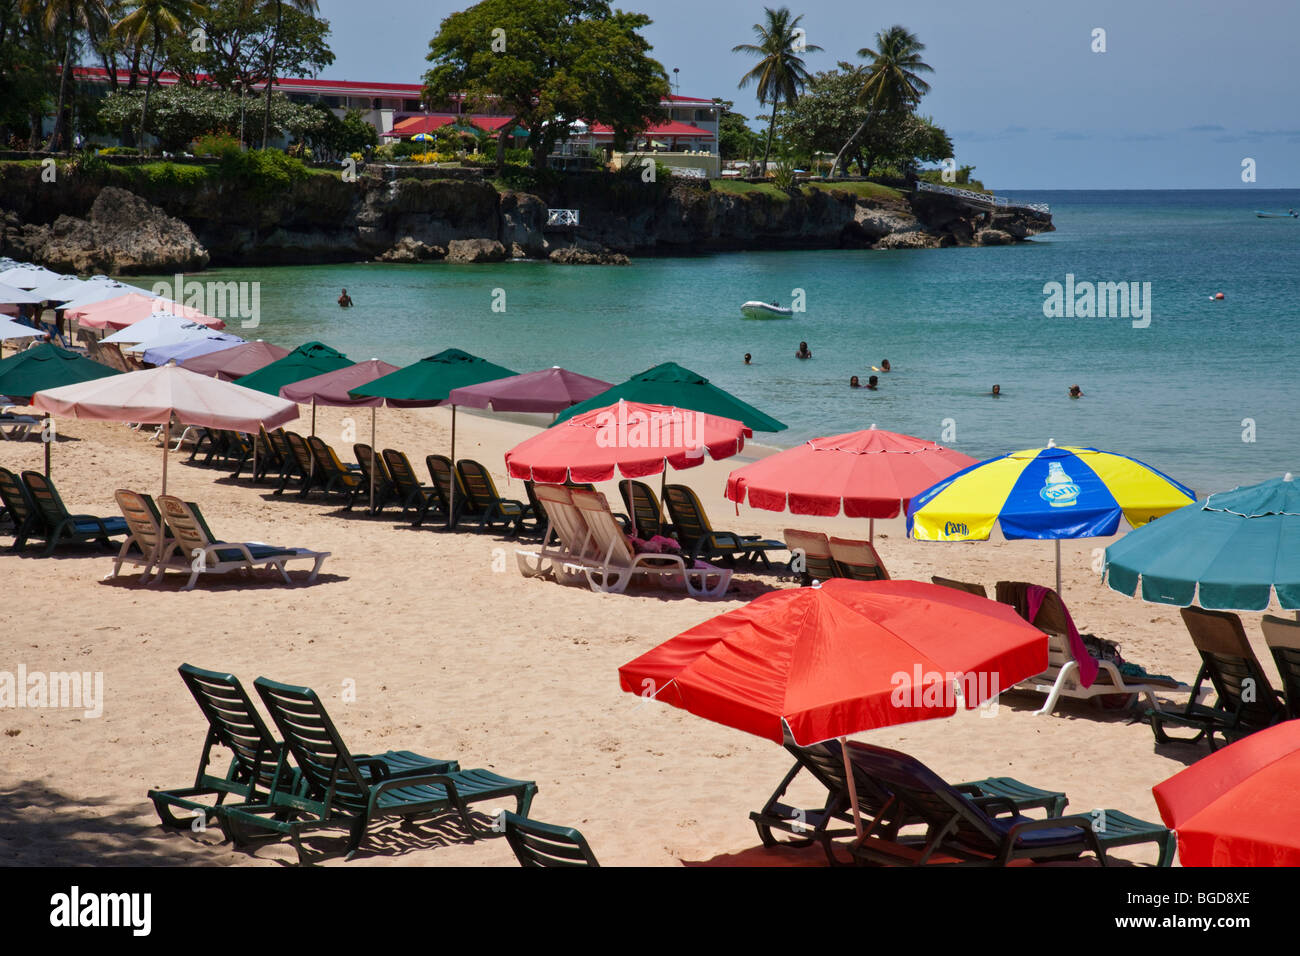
x=416 y=780
x=1077 y=821
x=993 y=804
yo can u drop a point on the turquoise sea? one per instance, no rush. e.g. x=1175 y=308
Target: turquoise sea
x=1181 y=394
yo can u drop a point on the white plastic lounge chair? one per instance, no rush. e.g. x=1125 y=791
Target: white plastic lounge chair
x=148 y=533
x=208 y=556
x=619 y=563
x=574 y=547
x=858 y=560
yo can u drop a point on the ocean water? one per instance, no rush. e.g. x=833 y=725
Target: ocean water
x=1207 y=392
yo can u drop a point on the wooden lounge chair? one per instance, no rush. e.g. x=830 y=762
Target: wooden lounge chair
x=643 y=505
x=283 y=462
x=961 y=830
x=1061 y=679
x=373 y=467
x=1283 y=637
x=1246 y=701
x=825 y=763
x=336 y=794
x=20 y=508
x=567 y=543
x=407 y=490
x=618 y=563
x=192 y=538
x=58 y=526
x=812 y=550
x=978 y=590
x=443 y=473
x=485 y=502
x=303 y=469
x=542 y=845
x=858 y=560
x=336 y=478
x=698 y=538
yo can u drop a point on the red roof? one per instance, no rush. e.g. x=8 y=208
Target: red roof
x=675 y=128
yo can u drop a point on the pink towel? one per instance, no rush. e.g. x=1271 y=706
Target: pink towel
x=1035 y=595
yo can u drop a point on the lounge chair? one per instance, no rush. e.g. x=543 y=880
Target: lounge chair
x=58 y=526
x=1064 y=655
x=700 y=541
x=302 y=469
x=338 y=795
x=978 y=590
x=542 y=845
x=858 y=560
x=442 y=473
x=336 y=477
x=825 y=763
x=486 y=503
x=21 y=509
x=148 y=540
x=283 y=460
x=17 y=427
x=192 y=537
x=644 y=507
x=617 y=563
x=407 y=490
x=815 y=551
x=567 y=543
x=1283 y=637
x=1246 y=700
x=373 y=468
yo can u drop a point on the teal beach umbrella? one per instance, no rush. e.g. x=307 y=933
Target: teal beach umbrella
x=1228 y=552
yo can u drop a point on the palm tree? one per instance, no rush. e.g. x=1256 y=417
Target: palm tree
x=893 y=80
x=73 y=16
x=155 y=21
x=780 y=73
x=308 y=7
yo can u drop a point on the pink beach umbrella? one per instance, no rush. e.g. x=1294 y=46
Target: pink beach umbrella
x=232 y=364
x=550 y=391
x=124 y=310
x=157 y=396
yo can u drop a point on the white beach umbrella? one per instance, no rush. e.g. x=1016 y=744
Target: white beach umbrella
x=159 y=325
x=99 y=289
x=28 y=276
x=16 y=295
x=10 y=329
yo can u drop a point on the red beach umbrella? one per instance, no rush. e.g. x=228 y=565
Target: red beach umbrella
x=866 y=474
x=1237 y=806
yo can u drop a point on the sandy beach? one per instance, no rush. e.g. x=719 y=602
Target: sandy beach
x=453 y=653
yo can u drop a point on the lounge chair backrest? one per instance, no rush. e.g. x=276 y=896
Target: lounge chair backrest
x=327 y=766
x=1283 y=637
x=542 y=845
x=1230 y=662
x=142 y=518
x=234 y=723
x=327 y=460
x=16 y=497
x=367 y=460
x=977 y=589
x=301 y=453
x=267 y=446
x=280 y=442
x=609 y=540
x=825 y=761
x=816 y=548
x=533 y=502
x=478 y=484
x=187 y=527
x=643 y=505
x=688 y=515
x=566 y=520
x=45 y=497
x=399 y=470
x=858 y=560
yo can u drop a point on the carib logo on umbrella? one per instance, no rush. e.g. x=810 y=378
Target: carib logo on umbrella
x=1059 y=489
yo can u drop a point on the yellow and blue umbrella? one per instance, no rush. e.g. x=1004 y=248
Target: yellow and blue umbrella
x=1046 y=493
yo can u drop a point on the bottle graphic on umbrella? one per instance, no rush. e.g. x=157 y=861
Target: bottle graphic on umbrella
x=1059 y=490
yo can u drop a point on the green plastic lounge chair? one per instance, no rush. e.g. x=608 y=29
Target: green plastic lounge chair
x=208 y=555
x=407 y=490
x=643 y=505
x=1283 y=637
x=486 y=502
x=384 y=491
x=542 y=521
x=338 y=795
x=540 y=844
x=337 y=478
x=22 y=511
x=58 y=526
x=966 y=831
x=811 y=554
x=858 y=560
x=700 y=541
x=825 y=763
x=978 y=590
x=1246 y=700
x=442 y=474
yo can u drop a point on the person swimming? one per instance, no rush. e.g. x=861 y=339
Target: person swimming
x=997 y=391
x=804 y=352
x=872 y=382
x=1076 y=391
x=747 y=358
x=345 y=300
x=854 y=383
x=884 y=365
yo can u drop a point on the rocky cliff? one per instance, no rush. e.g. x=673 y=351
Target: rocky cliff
x=185 y=222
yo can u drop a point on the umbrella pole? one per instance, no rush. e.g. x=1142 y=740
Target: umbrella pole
x=311 y=465
x=167 y=444
x=373 y=469
x=49 y=440
x=451 y=498
x=1058 y=566
x=871 y=530
x=853 y=786
x=631 y=506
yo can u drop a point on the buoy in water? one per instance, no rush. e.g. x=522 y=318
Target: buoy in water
x=1218 y=296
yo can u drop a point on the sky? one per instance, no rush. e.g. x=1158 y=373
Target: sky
x=1185 y=92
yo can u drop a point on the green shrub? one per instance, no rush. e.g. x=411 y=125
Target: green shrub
x=263 y=171
x=216 y=144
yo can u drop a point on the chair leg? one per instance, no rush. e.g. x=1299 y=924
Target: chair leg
x=1066 y=672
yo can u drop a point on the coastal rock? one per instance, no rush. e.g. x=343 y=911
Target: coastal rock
x=475 y=250
x=581 y=256
x=914 y=238
x=408 y=249
x=994 y=237
x=523 y=219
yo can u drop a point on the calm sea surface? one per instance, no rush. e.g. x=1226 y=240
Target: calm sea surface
x=1180 y=394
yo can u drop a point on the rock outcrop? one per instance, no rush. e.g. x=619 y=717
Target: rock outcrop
x=475 y=250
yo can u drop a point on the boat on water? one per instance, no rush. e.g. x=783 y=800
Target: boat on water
x=754 y=309
x=1289 y=214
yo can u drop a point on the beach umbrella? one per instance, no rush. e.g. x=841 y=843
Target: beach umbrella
x=333 y=389
x=178 y=352
x=124 y=310
x=549 y=391
x=12 y=295
x=866 y=474
x=306 y=361
x=99 y=289
x=431 y=381
x=1236 y=807
x=1229 y=551
x=1045 y=493
x=421 y=138
x=234 y=363
x=159 y=396
x=9 y=329
x=825 y=662
x=176 y=337
x=47 y=366
x=157 y=325
x=670 y=384
x=28 y=276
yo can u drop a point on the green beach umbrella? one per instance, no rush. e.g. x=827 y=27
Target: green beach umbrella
x=306 y=361
x=670 y=384
x=47 y=366
x=1227 y=552
x=429 y=382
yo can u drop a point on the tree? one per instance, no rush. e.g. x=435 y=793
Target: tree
x=828 y=112
x=180 y=114
x=25 y=50
x=302 y=6
x=735 y=139
x=780 y=72
x=72 y=16
x=893 y=78
x=155 y=20
x=546 y=63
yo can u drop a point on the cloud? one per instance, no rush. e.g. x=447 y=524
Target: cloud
x=1207 y=128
